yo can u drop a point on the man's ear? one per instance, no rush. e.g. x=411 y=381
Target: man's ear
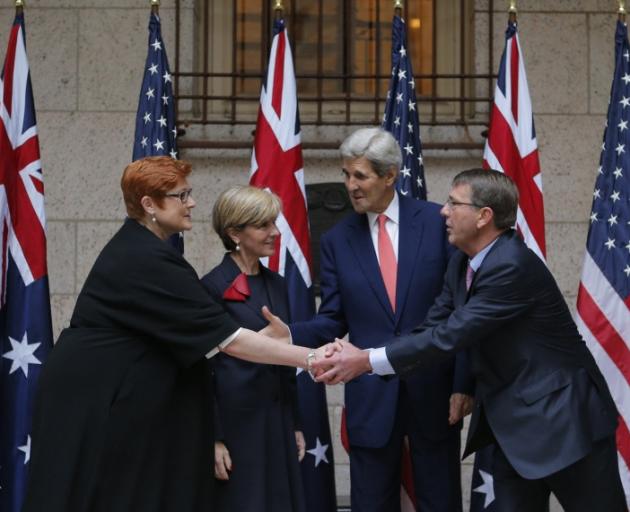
x=390 y=176
x=486 y=216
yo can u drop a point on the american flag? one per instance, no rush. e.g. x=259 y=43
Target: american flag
x=401 y=120
x=25 y=325
x=277 y=165
x=604 y=293
x=512 y=148
x=401 y=115
x=156 y=133
x=155 y=122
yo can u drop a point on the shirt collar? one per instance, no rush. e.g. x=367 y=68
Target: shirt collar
x=392 y=212
x=476 y=261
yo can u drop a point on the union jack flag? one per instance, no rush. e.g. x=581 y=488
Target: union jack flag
x=604 y=293
x=512 y=148
x=25 y=325
x=277 y=165
x=401 y=115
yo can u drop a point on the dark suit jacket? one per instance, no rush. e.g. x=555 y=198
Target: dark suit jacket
x=241 y=384
x=539 y=391
x=354 y=301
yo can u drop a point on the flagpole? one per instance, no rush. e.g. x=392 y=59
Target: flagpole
x=278 y=9
x=155 y=7
x=512 y=11
x=19 y=6
x=622 y=11
x=398 y=8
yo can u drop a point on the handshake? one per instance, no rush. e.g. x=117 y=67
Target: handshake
x=333 y=363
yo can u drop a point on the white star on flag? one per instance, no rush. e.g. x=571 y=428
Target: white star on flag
x=486 y=488
x=167 y=77
x=26 y=449
x=150 y=93
x=153 y=69
x=22 y=354
x=157 y=45
x=319 y=452
x=610 y=243
x=159 y=144
x=162 y=121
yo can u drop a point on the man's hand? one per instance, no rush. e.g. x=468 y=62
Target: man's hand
x=342 y=366
x=460 y=405
x=222 y=461
x=276 y=329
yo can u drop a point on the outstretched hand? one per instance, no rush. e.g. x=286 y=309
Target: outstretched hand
x=276 y=328
x=341 y=365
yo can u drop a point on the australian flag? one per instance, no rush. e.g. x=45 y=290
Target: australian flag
x=156 y=133
x=277 y=165
x=25 y=324
x=401 y=115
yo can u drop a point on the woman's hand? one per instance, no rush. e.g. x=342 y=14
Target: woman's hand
x=222 y=461
x=301 y=444
x=276 y=328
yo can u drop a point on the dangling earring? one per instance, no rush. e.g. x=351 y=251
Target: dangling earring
x=153 y=219
x=238 y=246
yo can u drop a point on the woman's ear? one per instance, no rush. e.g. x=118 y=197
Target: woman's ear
x=148 y=204
x=233 y=234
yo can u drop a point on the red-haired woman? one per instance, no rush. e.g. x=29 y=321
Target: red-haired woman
x=123 y=419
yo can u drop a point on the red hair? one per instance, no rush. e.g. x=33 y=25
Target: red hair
x=152 y=176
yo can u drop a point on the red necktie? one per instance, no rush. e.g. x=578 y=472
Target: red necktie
x=470 y=273
x=387 y=260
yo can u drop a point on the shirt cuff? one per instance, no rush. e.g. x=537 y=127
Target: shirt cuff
x=379 y=362
x=224 y=343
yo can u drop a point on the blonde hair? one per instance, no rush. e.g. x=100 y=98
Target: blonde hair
x=242 y=206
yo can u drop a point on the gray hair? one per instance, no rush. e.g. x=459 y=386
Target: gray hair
x=493 y=189
x=377 y=145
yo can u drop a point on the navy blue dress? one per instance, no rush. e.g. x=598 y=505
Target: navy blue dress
x=255 y=406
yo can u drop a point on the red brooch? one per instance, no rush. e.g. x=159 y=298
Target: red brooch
x=238 y=290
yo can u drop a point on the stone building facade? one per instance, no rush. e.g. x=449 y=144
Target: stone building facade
x=86 y=58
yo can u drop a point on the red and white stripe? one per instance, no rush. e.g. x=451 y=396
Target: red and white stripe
x=511 y=147
x=603 y=320
x=277 y=163
x=22 y=215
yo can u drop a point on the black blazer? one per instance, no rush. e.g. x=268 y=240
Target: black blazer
x=539 y=392
x=241 y=384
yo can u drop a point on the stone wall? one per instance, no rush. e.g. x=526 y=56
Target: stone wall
x=86 y=62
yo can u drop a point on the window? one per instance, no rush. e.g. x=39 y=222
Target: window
x=342 y=55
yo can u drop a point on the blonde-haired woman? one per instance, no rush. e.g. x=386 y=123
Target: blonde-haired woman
x=258 y=441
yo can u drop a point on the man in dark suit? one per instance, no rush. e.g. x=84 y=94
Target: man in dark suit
x=381 y=268
x=540 y=397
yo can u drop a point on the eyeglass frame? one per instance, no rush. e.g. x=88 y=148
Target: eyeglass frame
x=452 y=204
x=183 y=196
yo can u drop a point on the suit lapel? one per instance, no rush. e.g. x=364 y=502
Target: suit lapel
x=360 y=241
x=410 y=231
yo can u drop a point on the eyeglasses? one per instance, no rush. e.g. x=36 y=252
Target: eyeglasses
x=452 y=204
x=183 y=196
